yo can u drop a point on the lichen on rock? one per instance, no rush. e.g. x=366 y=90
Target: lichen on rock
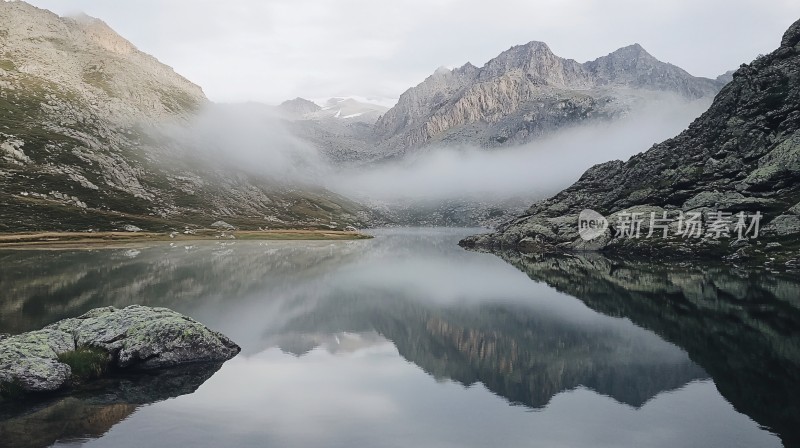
x=135 y=337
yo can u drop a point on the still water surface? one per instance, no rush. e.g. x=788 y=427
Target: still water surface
x=408 y=340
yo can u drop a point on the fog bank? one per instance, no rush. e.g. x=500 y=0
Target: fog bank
x=543 y=167
x=254 y=138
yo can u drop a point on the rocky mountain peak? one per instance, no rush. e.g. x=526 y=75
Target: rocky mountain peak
x=633 y=66
x=631 y=53
x=522 y=56
x=534 y=59
x=532 y=49
x=466 y=71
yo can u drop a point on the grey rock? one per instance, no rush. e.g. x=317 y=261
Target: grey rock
x=740 y=255
x=148 y=338
x=30 y=360
x=784 y=225
x=725 y=200
x=222 y=225
x=735 y=244
x=135 y=337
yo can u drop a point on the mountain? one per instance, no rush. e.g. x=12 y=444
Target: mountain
x=81 y=58
x=350 y=109
x=524 y=94
x=346 y=109
x=742 y=155
x=341 y=129
x=527 y=92
x=634 y=67
x=78 y=105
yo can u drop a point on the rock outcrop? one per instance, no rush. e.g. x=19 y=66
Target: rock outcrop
x=741 y=156
x=135 y=337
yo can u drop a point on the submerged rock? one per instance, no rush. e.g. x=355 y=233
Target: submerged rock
x=135 y=337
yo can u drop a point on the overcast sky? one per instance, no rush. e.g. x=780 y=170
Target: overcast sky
x=269 y=51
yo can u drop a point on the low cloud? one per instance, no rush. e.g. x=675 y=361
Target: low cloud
x=535 y=169
x=248 y=137
x=253 y=138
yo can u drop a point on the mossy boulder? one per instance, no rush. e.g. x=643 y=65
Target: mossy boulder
x=80 y=348
x=30 y=361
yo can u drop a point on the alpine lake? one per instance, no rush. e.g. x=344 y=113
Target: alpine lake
x=408 y=340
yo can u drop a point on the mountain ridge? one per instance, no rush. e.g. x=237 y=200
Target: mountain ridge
x=527 y=92
x=524 y=93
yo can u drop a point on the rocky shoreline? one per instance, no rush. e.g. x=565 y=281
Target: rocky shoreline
x=75 y=350
x=62 y=239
